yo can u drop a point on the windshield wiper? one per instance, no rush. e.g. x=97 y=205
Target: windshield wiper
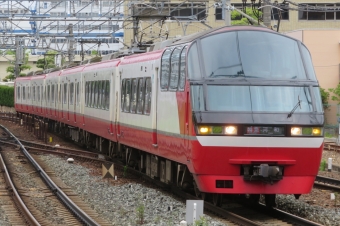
x=297 y=105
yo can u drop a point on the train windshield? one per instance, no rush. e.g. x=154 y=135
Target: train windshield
x=256 y=98
x=254 y=54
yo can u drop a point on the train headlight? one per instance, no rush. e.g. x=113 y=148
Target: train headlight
x=296 y=131
x=204 y=130
x=306 y=131
x=230 y=130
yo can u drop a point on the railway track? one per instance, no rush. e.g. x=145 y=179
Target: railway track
x=44 y=199
x=236 y=214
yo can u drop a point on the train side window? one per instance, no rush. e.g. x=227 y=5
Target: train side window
x=127 y=95
x=48 y=93
x=65 y=92
x=33 y=93
x=91 y=93
x=95 y=100
x=134 y=96
x=77 y=93
x=71 y=92
x=28 y=92
x=193 y=63
x=24 y=93
x=165 y=70
x=52 y=93
x=174 y=69
x=38 y=94
x=107 y=95
x=140 y=96
x=147 y=99
x=87 y=93
x=122 y=96
x=99 y=93
x=102 y=95
x=182 y=68
x=18 y=93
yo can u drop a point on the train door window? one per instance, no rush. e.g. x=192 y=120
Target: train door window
x=165 y=70
x=193 y=63
x=140 y=96
x=65 y=93
x=127 y=95
x=134 y=96
x=71 y=92
x=23 y=92
x=147 y=99
x=174 y=75
x=182 y=69
x=122 y=95
x=52 y=93
x=77 y=93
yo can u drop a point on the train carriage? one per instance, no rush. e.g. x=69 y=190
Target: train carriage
x=232 y=110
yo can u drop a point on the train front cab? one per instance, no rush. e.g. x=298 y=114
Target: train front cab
x=255 y=131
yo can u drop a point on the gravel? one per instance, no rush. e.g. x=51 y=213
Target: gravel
x=126 y=204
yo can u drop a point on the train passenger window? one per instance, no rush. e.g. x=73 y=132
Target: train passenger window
x=65 y=93
x=174 y=75
x=107 y=95
x=193 y=63
x=33 y=93
x=71 y=92
x=52 y=93
x=100 y=94
x=133 y=96
x=165 y=70
x=38 y=93
x=122 y=96
x=23 y=92
x=140 y=96
x=18 y=93
x=182 y=69
x=127 y=95
x=87 y=93
x=147 y=99
x=48 y=93
x=77 y=93
x=92 y=93
x=96 y=93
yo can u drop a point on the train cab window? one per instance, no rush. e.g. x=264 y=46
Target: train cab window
x=77 y=94
x=24 y=93
x=308 y=63
x=127 y=95
x=182 y=71
x=174 y=75
x=134 y=96
x=71 y=92
x=107 y=95
x=122 y=95
x=197 y=98
x=140 y=96
x=147 y=99
x=193 y=63
x=65 y=93
x=165 y=70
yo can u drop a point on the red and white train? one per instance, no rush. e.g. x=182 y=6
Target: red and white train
x=233 y=110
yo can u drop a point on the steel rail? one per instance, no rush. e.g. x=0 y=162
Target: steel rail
x=19 y=203
x=55 y=189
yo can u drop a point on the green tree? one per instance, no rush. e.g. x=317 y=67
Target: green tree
x=48 y=61
x=335 y=93
x=10 y=69
x=324 y=98
x=238 y=19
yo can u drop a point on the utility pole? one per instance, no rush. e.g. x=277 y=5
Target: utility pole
x=71 y=44
x=267 y=13
x=226 y=15
x=19 y=56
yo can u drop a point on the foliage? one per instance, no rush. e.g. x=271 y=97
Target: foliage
x=140 y=213
x=323 y=165
x=238 y=19
x=7 y=96
x=324 y=98
x=48 y=61
x=201 y=222
x=10 y=69
x=335 y=92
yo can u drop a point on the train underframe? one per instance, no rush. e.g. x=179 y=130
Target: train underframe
x=156 y=167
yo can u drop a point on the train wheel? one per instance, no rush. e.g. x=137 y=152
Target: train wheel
x=270 y=200
x=217 y=199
